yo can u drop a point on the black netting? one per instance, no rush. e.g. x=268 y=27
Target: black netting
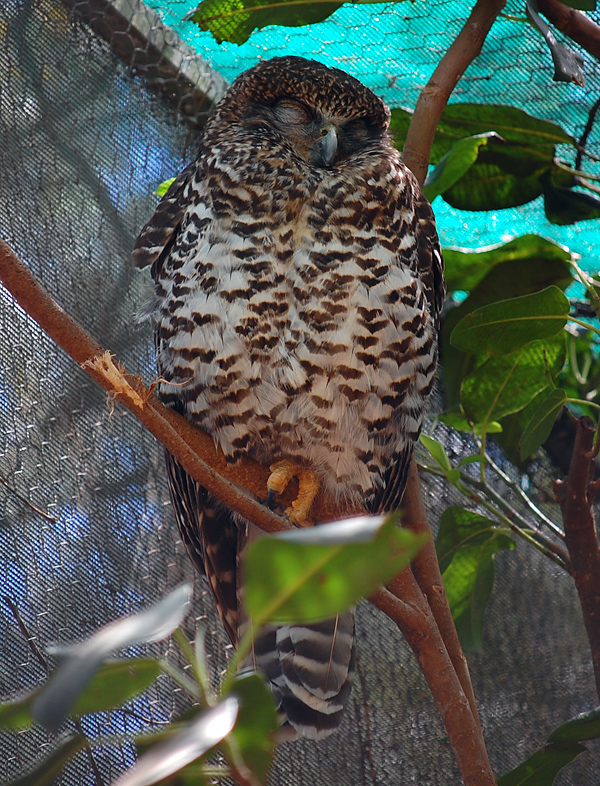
x=86 y=134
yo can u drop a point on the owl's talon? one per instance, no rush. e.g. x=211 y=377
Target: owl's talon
x=308 y=486
x=271 y=497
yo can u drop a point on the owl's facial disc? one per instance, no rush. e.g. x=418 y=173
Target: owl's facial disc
x=320 y=140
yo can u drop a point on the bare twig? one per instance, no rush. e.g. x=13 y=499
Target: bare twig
x=25 y=501
x=573 y=496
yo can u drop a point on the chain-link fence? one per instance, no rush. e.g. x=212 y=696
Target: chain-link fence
x=99 y=104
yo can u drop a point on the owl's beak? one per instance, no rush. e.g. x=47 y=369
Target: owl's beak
x=324 y=150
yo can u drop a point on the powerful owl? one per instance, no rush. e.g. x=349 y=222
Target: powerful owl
x=298 y=286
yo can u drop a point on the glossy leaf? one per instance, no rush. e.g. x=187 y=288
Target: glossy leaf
x=503 y=176
x=501 y=328
x=539 y=427
x=465 y=269
x=56 y=701
x=47 y=771
x=466 y=545
x=438 y=453
x=454 y=164
x=164 y=187
x=506 y=384
x=568 y=63
x=462 y=120
x=194 y=741
x=542 y=767
x=114 y=685
x=566 y=206
x=257 y=724
x=509 y=279
x=314 y=574
x=585 y=726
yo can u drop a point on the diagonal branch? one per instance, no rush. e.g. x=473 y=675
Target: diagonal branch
x=434 y=96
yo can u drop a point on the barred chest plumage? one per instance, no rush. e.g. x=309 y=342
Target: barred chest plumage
x=293 y=321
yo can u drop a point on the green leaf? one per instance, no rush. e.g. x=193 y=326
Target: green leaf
x=437 y=450
x=195 y=740
x=314 y=574
x=114 y=685
x=466 y=545
x=568 y=63
x=47 y=771
x=454 y=164
x=56 y=701
x=15 y=714
x=540 y=425
x=257 y=723
x=503 y=176
x=501 y=328
x=458 y=421
x=462 y=120
x=164 y=187
x=506 y=384
x=235 y=20
x=542 y=768
x=566 y=206
x=465 y=269
x=585 y=726
x=560 y=749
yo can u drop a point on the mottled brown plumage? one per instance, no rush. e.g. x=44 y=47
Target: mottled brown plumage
x=299 y=282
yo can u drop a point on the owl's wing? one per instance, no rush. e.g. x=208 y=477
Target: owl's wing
x=207 y=529
x=157 y=237
x=210 y=537
x=429 y=257
x=430 y=265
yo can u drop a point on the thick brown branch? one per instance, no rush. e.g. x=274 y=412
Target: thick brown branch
x=581 y=537
x=426 y=569
x=574 y=24
x=416 y=621
x=434 y=96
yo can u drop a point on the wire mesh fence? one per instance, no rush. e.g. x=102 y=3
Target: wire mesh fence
x=86 y=530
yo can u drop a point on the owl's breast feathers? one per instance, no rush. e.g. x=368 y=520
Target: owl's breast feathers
x=297 y=315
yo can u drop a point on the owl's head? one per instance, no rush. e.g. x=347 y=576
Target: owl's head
x=325 y=114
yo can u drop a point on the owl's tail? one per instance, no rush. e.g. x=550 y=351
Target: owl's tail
x=309 y=669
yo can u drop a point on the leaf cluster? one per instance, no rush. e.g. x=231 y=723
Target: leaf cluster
x=491 y=157
x=298 y=577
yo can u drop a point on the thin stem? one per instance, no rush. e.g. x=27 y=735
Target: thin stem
x=584 y=324
x=184 y=682
x=514 y=486
x=188 y=652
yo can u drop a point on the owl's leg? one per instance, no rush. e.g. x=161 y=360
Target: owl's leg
x=308 y=486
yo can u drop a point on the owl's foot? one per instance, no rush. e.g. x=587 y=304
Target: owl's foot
x=308 y=486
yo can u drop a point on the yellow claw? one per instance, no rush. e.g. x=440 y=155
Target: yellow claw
x=308 y=487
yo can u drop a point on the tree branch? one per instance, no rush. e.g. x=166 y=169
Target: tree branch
x=426 y=570
x=434 y=97
x=575 y=495
x=574 y=24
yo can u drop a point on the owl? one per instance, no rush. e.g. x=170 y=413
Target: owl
x=298 y=281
